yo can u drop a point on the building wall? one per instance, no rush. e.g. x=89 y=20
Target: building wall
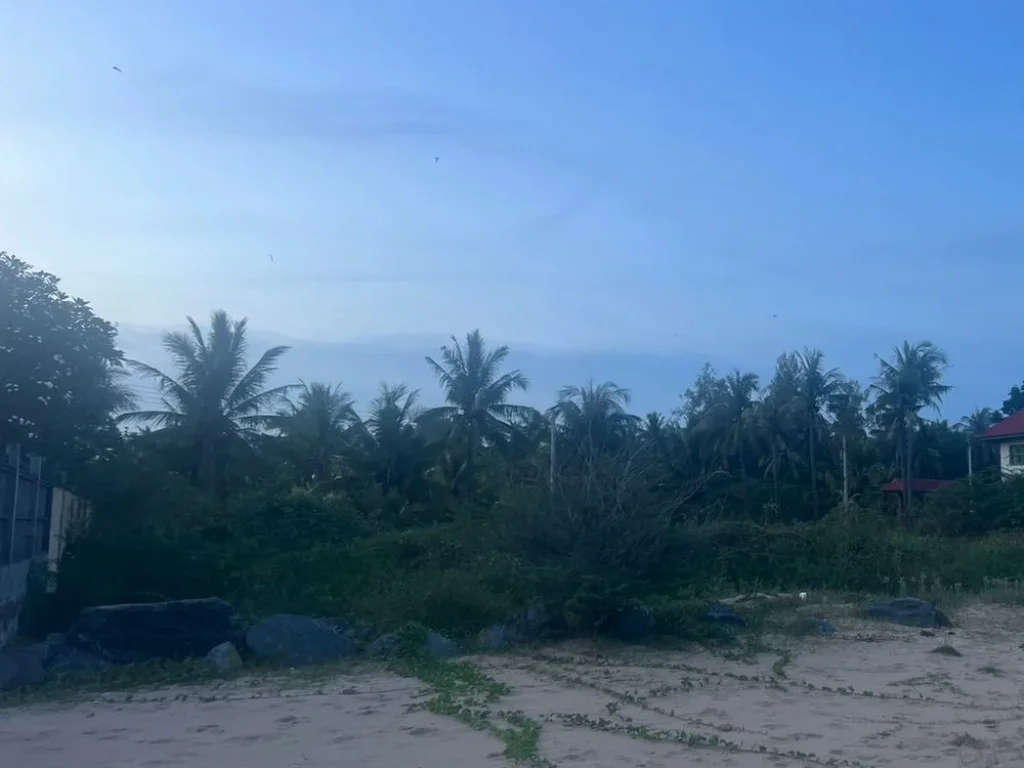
x=68 y=514
x=13 y=583
x=1004 y=458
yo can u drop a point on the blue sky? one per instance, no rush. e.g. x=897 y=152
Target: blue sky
x=616 y=190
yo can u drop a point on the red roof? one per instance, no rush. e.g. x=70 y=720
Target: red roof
x=917 y=486
x=1011 y=426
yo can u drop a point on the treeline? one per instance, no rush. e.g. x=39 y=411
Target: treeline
x=293 y=499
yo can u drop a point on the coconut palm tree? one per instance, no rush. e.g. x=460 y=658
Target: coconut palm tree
x=477 y=392
x=817 y=385
x=846 y=407
x=315 y=425
x=215 y=404
x=974 y=425
x=595 y=414
x=729 y=422
x=773 y=419
x=912 y=380
x=386 y=444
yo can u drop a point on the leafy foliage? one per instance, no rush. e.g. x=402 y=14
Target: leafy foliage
x=61 y=374
x=458 y=516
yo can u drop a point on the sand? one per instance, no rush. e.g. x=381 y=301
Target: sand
x=873 y=695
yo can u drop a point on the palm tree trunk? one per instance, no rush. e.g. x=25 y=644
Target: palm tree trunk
x=908 y=471
x=471 y=463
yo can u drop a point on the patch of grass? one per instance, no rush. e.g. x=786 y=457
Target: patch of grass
x=146 y=677
x=127 y=678
x=779 y=667
x=988 y=669
x=465 y=693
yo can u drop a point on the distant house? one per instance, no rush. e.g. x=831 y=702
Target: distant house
x=1008 y=434
x=919 y=487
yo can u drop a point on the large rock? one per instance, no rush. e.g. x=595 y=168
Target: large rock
x=723 y=614
x=910 y=612
x=21 y=667
x=178 y=629
x=497 y=637
x=225 y=658
x=439 y=646
x=386 y=647
x=392 y=646
x=298 y=640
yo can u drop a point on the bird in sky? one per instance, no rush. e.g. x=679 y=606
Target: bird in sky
x=271 y=256
x=117 y=69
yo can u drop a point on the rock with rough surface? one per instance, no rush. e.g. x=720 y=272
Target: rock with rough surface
x=387 y=646
x=225 y=658
x=298 y=640
x=74 y=661
x=177 y=629
x=439 y=646
x=723 y=614
x=910 y=612
x=496 y=638
x=20 y=668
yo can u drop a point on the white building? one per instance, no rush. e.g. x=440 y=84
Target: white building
x=1008 y=434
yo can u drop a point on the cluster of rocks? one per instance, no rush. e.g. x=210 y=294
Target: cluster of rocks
x=209 y=629
x=212 y=630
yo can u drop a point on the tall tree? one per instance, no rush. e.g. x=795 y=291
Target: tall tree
x=846 y=407
x=216 y=403
x=386 y=443
x=477 y=393
x=730 y=422
x=817 y=385
x=315 y=426
x=61 y=373
x=595 y=414
x=974 y=425
x=910 y=381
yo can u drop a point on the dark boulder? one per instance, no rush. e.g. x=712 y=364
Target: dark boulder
x=177 y=629
x=74 y=661
x=20 y=668
x=632 y=624
x=439 y=646
x=298 y=640
x=393 y=645
x=723 y=614
x=386 y=647
x=497 y=637
x=910 y=612
x=225 y=658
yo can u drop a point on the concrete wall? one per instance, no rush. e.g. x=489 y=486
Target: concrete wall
x=13 y=582
x=67 y=515
x=1004 y=459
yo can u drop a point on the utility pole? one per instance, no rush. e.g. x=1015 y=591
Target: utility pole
x=554 y=439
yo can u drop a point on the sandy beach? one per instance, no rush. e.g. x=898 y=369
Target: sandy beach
x=873 y=695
